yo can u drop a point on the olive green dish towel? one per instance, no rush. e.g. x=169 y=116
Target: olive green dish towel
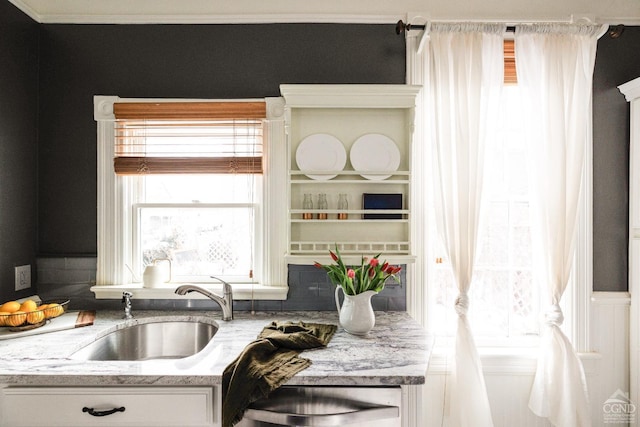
x=267 y=363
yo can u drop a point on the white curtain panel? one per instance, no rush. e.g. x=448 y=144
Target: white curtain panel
x=466 y=75
x=555 y=67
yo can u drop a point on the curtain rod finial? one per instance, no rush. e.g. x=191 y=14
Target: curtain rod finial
x=401 y=27
x=616 y=31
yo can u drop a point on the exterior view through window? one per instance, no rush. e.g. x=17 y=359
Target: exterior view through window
x=205 y=224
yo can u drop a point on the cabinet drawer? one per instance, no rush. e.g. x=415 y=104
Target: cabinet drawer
x=143 y=406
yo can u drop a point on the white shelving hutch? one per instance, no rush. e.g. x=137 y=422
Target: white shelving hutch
x=348 y=112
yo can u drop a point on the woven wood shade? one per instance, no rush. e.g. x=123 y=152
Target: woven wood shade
x=182 y=165
x=190 y=110
x=188 y=137
x=510 y=75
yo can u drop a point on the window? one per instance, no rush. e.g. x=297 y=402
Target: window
x=506 y=313
x=186 y=181
x=504 y=302
x=194 y=179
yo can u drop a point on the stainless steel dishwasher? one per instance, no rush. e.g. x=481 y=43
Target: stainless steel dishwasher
x=327 y=406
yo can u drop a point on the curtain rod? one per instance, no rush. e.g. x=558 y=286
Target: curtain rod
x=614 y=32
x=401 y=27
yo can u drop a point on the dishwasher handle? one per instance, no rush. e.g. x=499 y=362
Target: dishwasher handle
x=336 y=419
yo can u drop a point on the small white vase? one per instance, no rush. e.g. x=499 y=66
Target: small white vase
x=155 y=275
x=356 y=313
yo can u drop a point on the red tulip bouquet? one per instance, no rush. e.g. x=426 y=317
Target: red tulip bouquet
x=371 y=275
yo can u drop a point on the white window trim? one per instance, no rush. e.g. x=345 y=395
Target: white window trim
x=112 y=276
x=576 y=302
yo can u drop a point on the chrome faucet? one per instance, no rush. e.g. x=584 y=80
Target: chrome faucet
x=126 y=300
x=225 y=302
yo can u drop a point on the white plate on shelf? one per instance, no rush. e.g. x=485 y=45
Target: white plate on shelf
x=374 y=152
x=321 y=152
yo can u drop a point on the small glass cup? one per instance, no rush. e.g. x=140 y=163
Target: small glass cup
x=322 y=204
x=343 y=205
x=307 y=205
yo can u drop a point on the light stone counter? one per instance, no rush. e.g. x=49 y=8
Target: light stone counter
x=396 y=352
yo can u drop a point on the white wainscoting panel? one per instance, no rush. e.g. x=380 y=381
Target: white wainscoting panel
x=610 y=338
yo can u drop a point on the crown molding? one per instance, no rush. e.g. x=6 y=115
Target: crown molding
x=349 y=96
x=614 y=20
x=630 y=89
x=26 y=9
x=217 y=19
x=276 y=18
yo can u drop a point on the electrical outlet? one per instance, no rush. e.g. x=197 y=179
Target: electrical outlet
x=23 y=277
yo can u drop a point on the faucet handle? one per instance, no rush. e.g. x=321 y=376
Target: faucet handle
x=126 y=300
x=126 y=295
x=225 y=286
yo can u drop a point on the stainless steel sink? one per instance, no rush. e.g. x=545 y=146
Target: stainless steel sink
x=155 y=339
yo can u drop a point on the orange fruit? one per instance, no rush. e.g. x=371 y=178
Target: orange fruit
x=43 y=306
x=10 y=306
x=28 y=305
x=16 y=319
x=3 y=317
x=35 y=317
x=53 y=310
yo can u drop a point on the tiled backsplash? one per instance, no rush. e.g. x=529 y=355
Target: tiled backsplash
x=66 y=270
x=309 y=289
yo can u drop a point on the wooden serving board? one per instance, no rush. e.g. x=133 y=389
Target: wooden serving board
x=69 y=320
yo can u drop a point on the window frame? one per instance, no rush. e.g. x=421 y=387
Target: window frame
x=116 y=199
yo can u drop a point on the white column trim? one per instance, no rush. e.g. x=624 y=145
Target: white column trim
x=417 y=281
x=107 y=238
x=417 y=290
x=274 y=199
x=581 y=293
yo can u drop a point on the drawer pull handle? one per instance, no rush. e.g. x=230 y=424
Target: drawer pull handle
x=95 y=413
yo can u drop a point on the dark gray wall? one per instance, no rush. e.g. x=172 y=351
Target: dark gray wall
x=617 y=62
x=217 y=61
x=174 y=61
x=18 y=144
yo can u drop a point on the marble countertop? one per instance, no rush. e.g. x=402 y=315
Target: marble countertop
x=395 y=352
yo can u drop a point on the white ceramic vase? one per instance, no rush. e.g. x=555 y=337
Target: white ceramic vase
x=155 y=275
x=356 y=313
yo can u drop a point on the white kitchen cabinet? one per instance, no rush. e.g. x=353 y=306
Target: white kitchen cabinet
x=631 y=91
x=130 y=406
x=348 y=113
